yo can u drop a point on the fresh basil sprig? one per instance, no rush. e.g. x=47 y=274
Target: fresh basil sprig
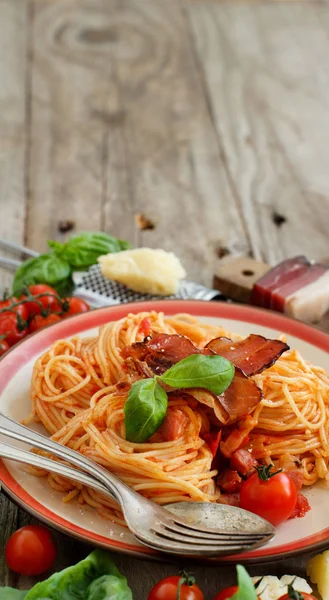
x=213 y=372
x=146 y=405
x=47 y=268
x=246 y=589
x=83 y=250
x=144 y=410
x=55 y=268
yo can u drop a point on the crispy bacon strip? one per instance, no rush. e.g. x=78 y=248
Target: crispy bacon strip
x=239 y=399
x=156 y=355
x=162 y=351
x=252 y=355
x=241 y=396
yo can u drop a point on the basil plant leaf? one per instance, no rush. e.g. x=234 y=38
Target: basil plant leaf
x=144 y=410
x=72 y=583
x=46 y=268
x=246 y=589
x=109 y=587
x=83 y=250
x=213 y=372
x=8 y=593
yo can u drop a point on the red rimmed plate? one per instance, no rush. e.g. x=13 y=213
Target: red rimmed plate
x=34 y=494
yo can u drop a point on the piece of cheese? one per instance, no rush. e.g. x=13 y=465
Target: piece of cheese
x=144 y=270
x=318 y=571
x=272 y=588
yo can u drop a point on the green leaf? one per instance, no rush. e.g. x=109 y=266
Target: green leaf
x=72 y=583
x=46 y=268
x=83 y=250
x=109 y=587
x=8 y=593
x=144 y=410
x=213 y=372
x=246 y=589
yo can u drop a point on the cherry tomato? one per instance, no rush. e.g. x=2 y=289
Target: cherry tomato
x=76 y=306
x=50 y=302
x=31 y=550
x=302 y=594
x=38 y=321
x=4 y=346
x=166 y=589
x=227 y=593
x=20 y=309
x=272 y=496
x=13 y=324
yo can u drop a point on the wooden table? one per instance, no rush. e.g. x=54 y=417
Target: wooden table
x=211 y=118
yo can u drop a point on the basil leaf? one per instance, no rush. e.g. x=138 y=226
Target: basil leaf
x=246 y=589
x=83 y=250
x=73 y=582
x=214 y=373
x=109 y=587
x=144 y=410
x=46 y=268
x=8 y=593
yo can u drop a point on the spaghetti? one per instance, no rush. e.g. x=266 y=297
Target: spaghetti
x=80 y=386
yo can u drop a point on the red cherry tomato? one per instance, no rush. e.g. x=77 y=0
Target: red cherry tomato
x=13 y=324
x=227 y=593
x=166 y=589
x=76 y=306
x=38 y=321
x=31 y=550
x=49 y=302
x=4 y=346
x=274 y=498
x=303 y=595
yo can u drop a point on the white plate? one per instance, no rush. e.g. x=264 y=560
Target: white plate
x=34 y=494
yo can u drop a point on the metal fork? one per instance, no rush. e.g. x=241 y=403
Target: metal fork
x=151 y=524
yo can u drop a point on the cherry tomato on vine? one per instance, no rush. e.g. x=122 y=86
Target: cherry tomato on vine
x=50 y=302
x=167 y=589
x=4 y=346
x=76 y=306
x=38 y=321
x=31 y=550
x=227 y=593
x=13 y=327
x=297 y=596
x=272 y=496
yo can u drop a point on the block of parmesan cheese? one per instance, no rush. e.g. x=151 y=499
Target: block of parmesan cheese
x=144 y=270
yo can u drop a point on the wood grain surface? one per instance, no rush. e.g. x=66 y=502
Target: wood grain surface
x=209 y=117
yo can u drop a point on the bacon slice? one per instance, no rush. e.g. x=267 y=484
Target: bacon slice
x=243 y=462
x=241 y=396
x=238 y=436
x=173 y=425
x=277 y=277
x=229 y=481
x=156 y=355
x=252 y=355
x=162 y=351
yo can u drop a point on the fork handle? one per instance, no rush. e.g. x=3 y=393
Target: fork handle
x=119 y=490
x=18 y=248
x=29 y=458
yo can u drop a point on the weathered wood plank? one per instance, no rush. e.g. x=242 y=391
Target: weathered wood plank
x=265 y=72
x=12 y=124
x=165 y=140
x=13 y=28
x=120 y=125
